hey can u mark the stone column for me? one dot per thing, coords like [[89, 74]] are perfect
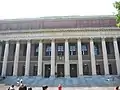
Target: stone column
[[53, 58], [117, 56], [92, 53], [16, 58], [67, 65], [105, 58], [40, 58], [27, 63], [5, 58], [80, 62]]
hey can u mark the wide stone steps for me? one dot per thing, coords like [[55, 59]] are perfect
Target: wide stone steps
[[83, 81]]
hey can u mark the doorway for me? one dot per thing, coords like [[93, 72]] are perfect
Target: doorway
[[85, 69], [98, 70], [110, 69], [60, 70], [35, 70], [73, 70], [47, 70]]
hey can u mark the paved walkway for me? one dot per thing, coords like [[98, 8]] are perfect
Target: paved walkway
[[67, 88]]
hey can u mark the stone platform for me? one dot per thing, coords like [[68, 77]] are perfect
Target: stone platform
[[67, 88], [83, 81]]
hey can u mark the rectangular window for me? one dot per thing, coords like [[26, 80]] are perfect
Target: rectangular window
[[72, 50], [36, 50], [84, 49], [60, 49], [48, 50]]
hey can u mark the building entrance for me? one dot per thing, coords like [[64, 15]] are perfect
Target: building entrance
[[73, 70], [98, 70], [47, 70], [85, 69], [60, 70]]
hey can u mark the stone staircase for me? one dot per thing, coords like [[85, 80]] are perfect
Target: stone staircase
[[83, 81], [67, 88]]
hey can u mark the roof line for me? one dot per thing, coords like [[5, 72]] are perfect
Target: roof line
[[62, 17]]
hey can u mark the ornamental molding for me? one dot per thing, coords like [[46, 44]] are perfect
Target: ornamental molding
[[58, 30], [60, 34]]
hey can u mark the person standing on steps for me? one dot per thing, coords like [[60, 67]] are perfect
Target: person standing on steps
[[44, 87], [21, 81], [11, 88]]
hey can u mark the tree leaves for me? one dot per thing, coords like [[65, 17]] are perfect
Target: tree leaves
[[117, 6]]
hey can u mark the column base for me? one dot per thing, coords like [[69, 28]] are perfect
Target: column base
[[67, 76], [80, 76], [52, 76], [107, 74], [94, 74], [39, 76], [14, 75], [26, 75]]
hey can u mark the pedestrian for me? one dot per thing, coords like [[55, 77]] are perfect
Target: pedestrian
[[45, 87], [18, 82], [25, 87], [11, 88], [29, 88], [21, 82], [21, 87], [117, 88]]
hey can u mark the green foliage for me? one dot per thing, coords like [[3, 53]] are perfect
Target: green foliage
[[117, 7]]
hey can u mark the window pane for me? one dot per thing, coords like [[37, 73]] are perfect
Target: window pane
[[72, 48], [84, 49], [95, 50], [60, 48], [48, 48]]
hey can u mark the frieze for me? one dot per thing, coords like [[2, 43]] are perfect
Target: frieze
[[70, 33]]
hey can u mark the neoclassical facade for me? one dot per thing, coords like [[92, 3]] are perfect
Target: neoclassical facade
[[60, 46]]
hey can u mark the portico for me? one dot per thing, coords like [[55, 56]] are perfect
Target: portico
[[76, 54]]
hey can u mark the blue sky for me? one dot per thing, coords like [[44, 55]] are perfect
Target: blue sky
[[11, 9]]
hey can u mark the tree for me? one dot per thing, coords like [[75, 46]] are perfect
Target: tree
[[117, 7]]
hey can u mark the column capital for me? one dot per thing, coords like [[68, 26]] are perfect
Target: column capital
[[53, 39], [7, 42], [103, 37], [66, 39], [79, 38], [28, 41], [91, 38], [40, 40], [115, 38]]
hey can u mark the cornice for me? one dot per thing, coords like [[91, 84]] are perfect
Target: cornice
[[59, 30]]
